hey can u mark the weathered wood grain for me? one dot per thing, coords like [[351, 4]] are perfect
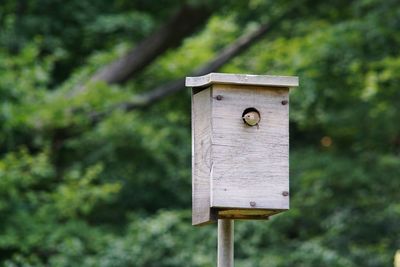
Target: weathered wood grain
[[250, 164], [226, 243], [201, 156], [239, 171], [242, 79]]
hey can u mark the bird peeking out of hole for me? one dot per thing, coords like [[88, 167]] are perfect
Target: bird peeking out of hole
[[252, 118]]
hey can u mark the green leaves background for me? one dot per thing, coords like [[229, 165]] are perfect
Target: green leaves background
[[117, 193]]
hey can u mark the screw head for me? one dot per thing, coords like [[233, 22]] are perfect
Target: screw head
[[252, 203], [284, 102], [219, 97], [285, 193]]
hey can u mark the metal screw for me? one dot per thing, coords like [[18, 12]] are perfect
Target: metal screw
[[284, 102], [285, 193], [252, 203], [219, 97]]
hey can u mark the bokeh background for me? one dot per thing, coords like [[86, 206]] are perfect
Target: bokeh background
[[95, 152]]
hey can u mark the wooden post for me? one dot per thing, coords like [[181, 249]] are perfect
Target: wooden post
[[225, 243]]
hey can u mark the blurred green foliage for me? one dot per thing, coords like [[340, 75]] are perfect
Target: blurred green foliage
[[118, 193]]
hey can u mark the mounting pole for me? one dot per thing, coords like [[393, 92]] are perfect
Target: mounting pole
[[225, 243]]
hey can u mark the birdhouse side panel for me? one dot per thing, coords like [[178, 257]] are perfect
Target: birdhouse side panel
[[201, 160], [250, 163]]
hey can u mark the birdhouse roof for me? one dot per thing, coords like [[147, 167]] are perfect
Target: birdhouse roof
[[242, 79]]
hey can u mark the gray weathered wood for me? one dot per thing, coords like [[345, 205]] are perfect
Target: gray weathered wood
[[240, 171], [250, 164], [242, 79], [225, 243], [201, 156]]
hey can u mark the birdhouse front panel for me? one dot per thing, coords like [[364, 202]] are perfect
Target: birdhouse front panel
[[240, 131], [250, 166]]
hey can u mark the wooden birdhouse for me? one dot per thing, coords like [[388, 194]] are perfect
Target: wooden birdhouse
[[240, 146]]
